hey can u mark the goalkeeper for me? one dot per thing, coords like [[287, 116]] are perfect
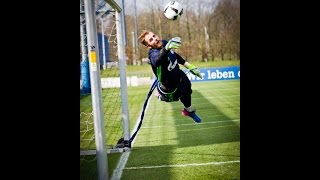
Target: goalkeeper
[[173, 84]]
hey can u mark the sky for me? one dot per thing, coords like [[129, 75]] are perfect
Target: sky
[[141, 5], [147, 4]]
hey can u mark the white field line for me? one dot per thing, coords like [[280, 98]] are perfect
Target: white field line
[[192, 124], [117, 173], [215, 127], [216, 89], [217, 97], [182, 165]]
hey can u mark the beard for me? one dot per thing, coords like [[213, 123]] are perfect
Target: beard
[[158, 45]]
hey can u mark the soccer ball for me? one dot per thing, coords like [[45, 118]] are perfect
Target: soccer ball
[[173, 10]]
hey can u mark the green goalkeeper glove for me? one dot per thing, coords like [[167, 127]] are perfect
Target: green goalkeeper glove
[[173, 43], [193, 69]]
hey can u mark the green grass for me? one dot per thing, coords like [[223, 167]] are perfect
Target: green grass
[[167, 138], [146, 71], [174, 142]]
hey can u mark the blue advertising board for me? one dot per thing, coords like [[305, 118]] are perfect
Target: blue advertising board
[[218, 73], [105, 50]]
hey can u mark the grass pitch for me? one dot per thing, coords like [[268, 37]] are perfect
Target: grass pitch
[[172, 146]]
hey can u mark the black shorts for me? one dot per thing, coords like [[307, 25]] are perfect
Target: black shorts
[[183, 88]]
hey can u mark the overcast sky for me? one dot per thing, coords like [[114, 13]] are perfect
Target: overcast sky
[[141, 4], [148, 4]]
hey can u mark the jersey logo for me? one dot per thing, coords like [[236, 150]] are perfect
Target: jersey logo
[[172, 66]]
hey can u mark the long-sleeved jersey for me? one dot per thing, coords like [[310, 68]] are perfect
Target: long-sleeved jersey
[[165, 66]]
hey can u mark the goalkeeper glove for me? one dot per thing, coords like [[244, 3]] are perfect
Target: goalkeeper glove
[[173, 43], [193, 69]]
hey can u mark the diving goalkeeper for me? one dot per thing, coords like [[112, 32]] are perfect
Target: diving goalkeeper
[[173, 84]]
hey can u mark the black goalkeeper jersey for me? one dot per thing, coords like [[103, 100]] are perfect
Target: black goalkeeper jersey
[[165, 65]]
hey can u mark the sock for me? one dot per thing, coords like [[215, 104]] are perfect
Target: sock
[[189, 109]]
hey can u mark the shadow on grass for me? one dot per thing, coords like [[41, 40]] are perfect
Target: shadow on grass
[[88, 169], [216, 127], [216, 139]]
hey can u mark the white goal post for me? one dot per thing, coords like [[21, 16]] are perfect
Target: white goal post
[[88, 17]]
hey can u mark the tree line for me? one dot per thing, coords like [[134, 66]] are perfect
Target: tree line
[[209, 30]]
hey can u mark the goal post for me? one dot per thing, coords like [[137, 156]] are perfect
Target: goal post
[[94, 117], [114, 5], [123, 80], [96, 92]]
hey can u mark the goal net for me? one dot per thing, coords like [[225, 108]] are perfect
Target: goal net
[[111, 84]]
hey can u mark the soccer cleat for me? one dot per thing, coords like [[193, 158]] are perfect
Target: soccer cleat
[[191, 114]]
